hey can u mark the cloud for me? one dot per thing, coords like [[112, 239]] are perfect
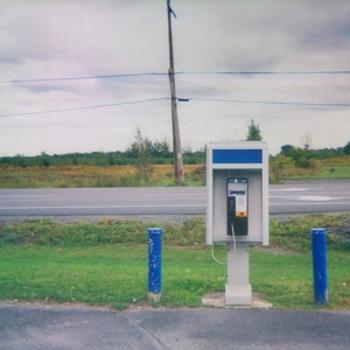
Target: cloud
[[40, 88], [7, 59], [45, 39]]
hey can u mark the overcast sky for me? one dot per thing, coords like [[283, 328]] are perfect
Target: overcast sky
[[48, 39]]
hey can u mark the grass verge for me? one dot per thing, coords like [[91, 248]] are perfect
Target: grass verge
[[95, 176], [159, 175], [334, 168], [98, 264]]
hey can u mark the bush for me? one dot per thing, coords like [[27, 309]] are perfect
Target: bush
[[279, 164], [309, 164], [347, 148]]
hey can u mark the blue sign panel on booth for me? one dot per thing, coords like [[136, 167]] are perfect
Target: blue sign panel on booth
[[237, 156]]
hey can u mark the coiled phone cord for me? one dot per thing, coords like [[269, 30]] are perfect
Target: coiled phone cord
[[215, 258], [234, 242]]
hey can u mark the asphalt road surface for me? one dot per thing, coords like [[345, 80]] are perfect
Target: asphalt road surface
[[296, 198], [28, 327]]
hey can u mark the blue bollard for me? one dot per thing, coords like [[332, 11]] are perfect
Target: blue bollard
[[154, 263], [319, 259]]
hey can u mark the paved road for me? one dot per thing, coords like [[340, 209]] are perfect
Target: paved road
[[307, 197], [28, 327]]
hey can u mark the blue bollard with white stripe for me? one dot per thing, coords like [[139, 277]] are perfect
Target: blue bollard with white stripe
[[154, 263], [319, 258]]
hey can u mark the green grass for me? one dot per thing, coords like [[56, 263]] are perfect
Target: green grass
[[106, 263], [49, 232], [325, 173], [114, 274], [95, 176], [336, 172], [286, 279], [294, 234]]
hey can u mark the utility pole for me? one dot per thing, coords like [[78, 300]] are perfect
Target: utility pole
[[179, 167]]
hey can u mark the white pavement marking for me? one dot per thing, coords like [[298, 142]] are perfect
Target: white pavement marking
[[174, 194], [24, 196], [318, 198], [109, 206], [310, 198], [304, 204]]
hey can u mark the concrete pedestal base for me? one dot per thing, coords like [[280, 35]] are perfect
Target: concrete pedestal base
[[238, 295], [218, 300], [238, 290]]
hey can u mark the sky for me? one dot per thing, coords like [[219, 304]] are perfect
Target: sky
[[46, 39]]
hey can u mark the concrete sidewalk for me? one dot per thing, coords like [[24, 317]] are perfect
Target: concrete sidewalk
[[36, 327]]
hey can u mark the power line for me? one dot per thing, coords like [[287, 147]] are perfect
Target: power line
[[144, 74], [83, 107], [179, 99], [306, 104], [84, 77], [315, 72]]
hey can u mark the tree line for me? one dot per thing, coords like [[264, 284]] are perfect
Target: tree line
[[158, 152], [144, 151]]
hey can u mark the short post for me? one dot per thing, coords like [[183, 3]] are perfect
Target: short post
[[319, 258], [154, 263]]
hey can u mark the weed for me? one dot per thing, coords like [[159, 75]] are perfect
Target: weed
[[94, 176]]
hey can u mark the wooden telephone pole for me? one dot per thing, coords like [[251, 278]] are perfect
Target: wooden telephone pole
[[179, 168]]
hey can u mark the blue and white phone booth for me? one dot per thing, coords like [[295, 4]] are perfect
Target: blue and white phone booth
[[237, 208]]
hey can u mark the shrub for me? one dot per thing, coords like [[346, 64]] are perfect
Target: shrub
[[279, 164], [347, 148]]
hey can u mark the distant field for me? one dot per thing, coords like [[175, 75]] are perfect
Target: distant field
[[337, 167], [329, 168], [94, 176], [158, 175]]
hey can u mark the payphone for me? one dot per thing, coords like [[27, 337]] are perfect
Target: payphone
[[237, 206]]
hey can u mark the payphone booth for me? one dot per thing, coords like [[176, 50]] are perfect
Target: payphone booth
[[237, 209]]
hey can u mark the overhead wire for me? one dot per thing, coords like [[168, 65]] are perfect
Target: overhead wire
[[82, 107], [179, 99], [83, 77], [143, 74], [313, 72], [289, 103]]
